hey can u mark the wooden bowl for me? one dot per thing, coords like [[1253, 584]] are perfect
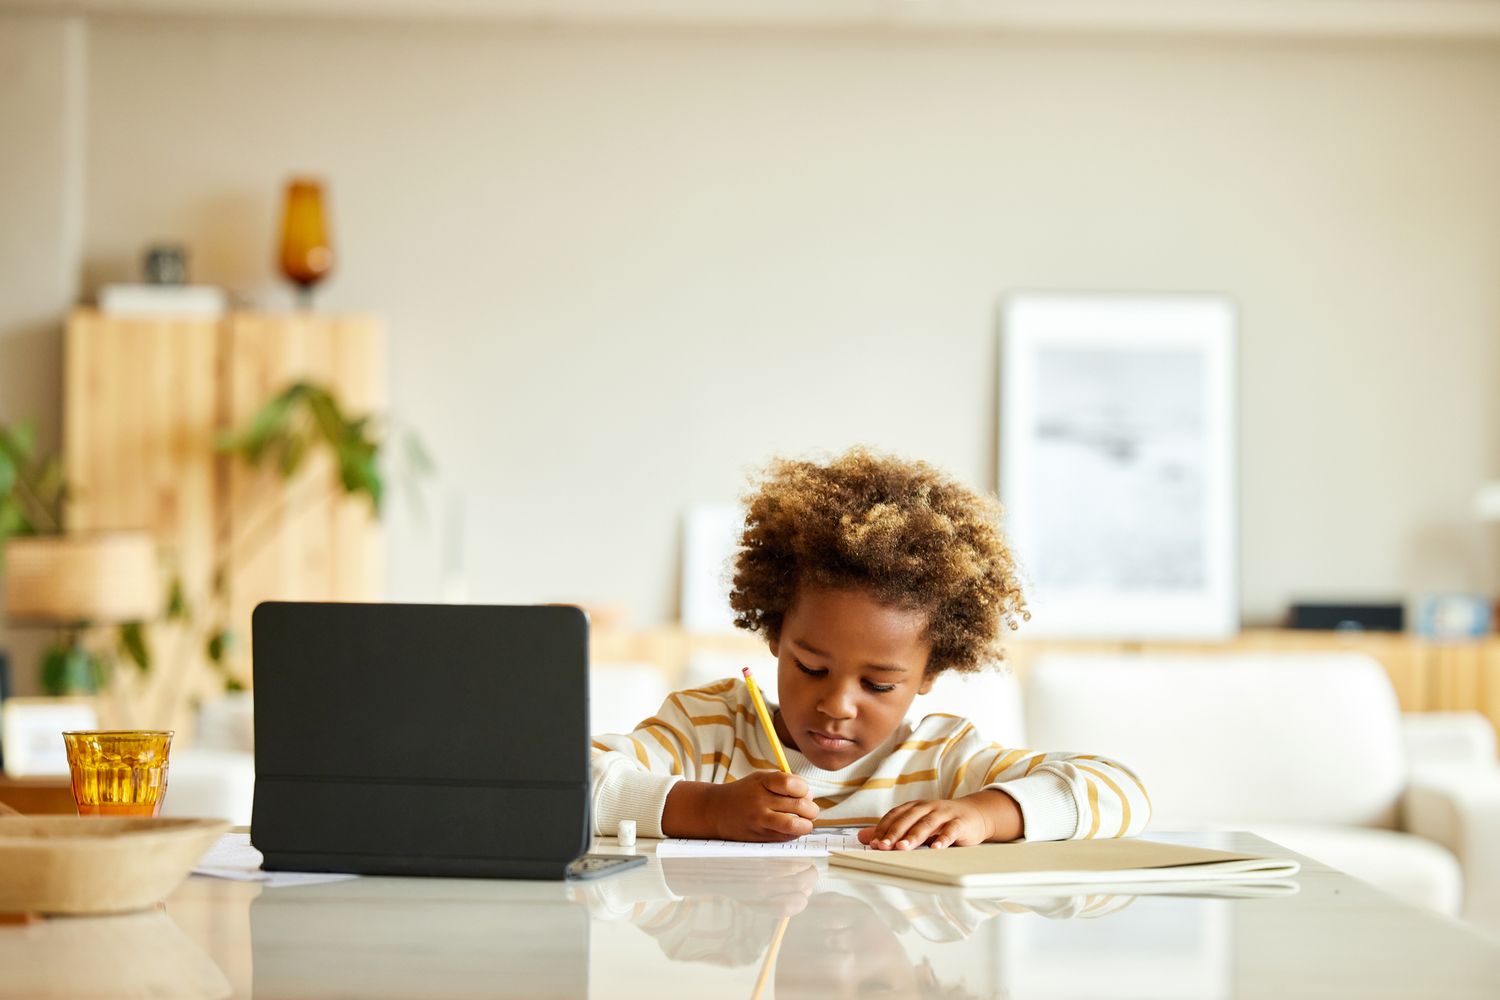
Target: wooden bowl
[[86, 864]]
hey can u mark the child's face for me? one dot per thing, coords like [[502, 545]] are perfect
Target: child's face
[[848, 669]]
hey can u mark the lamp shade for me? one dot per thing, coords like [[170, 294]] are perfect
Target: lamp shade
[[70, 579]]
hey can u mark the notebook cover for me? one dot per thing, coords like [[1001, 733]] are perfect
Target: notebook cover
[[1066, 861]]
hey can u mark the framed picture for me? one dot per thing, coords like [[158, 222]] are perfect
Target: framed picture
[[1117, 463], [32, 729], [710, 538]]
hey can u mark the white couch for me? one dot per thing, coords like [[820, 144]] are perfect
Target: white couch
[[1309, 750], [214, 776]]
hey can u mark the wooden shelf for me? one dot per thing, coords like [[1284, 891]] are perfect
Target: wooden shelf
[[37, 796], [146, 400]]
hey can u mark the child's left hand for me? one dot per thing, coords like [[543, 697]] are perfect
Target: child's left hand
[[988, 814]]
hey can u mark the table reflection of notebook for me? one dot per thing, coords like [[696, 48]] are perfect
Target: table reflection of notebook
[[398, 739]]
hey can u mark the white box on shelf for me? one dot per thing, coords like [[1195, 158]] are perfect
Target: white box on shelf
[[162, 300]]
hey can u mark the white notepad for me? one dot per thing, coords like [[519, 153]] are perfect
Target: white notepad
[[815, 845], [234, 857]]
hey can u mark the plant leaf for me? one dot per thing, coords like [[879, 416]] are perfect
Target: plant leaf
[[293, 450], [177, 606], [269, 423], [417, 455], [133, 645], [23, 438], [325, 411], [220, 643]]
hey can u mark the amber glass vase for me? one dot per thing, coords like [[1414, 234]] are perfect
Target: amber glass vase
[[306, 250]]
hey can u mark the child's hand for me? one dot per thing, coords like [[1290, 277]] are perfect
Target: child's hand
[[988, 814], [764, 806]]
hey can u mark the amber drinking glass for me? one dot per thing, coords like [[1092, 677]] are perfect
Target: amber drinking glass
[[306, 250], [121, 772]]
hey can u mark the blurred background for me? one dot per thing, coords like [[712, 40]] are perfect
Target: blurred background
[[623, 254], [528, 291]]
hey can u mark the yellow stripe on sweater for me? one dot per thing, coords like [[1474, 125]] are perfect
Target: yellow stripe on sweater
[[640, 752], [717, 758], [953, 742], [1002, 764], [1134, 780], [903, 779], [761, 764], [1124, 802], [919, 745], [666, 744], [709, 692]]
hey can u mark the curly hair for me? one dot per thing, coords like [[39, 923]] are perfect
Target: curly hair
[[901, 530]]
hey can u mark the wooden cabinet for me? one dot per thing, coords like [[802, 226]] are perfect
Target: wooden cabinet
[[37, 796], [145, 401]]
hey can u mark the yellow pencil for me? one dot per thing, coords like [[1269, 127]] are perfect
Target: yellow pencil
[[770, 960], [765, 719]]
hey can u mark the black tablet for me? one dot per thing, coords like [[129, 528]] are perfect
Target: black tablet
[[406, 739]]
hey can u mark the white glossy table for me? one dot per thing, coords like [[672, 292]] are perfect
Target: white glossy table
[[702, 927]]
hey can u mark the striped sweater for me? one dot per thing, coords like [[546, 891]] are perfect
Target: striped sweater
[[712, 734]]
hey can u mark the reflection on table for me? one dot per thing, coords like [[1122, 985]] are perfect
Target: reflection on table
[[723, 927], [846, 933]]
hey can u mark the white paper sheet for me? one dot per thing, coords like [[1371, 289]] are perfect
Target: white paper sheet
[[233, 857], [815, 845]]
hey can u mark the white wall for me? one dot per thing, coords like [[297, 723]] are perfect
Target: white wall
[[41, 169], [620, 268]]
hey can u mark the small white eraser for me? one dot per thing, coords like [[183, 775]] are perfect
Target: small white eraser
[[626, 833]]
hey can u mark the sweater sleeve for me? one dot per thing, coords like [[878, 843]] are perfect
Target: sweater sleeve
[[633, 772], [1062, 796]]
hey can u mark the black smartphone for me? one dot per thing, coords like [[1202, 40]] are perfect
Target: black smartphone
[[597, 865]]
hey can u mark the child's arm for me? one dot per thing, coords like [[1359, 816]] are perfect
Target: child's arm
[[995, 794], [764, 806], [986, 815], [649, 775], [634, 772]]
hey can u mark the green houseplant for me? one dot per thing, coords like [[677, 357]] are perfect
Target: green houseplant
[[302, 420]]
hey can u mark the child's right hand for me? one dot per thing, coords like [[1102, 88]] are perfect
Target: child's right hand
[[764, 806]]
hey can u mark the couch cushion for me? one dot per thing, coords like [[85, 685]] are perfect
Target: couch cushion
[[1276, 738], [991, 699], [1412, 869], [211, 784]]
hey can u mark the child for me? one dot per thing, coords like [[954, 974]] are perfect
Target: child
[[868, 577]]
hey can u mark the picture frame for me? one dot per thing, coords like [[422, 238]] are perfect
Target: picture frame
[[31, 730], [1117, 463], [710, 539]]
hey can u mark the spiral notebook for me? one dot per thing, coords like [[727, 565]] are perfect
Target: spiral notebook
[[1091, 862]]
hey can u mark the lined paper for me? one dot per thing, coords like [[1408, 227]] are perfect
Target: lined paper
[[815, 845]]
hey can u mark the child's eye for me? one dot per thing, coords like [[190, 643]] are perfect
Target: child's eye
[[809, 671], [879, 688]]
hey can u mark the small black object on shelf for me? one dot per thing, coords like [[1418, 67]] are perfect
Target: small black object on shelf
[[1348, 617]]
